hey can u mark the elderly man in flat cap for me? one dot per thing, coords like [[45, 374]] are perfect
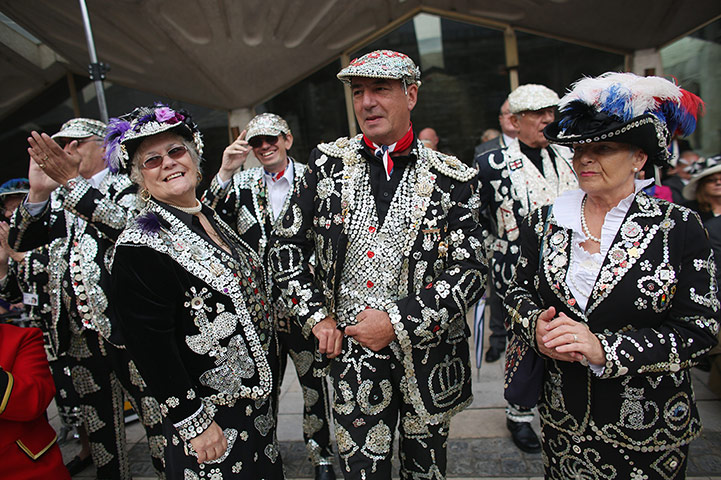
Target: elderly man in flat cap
[[524, 175], [252, 201], [77, 207], [399, 260]]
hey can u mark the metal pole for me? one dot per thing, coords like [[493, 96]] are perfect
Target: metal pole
[[97, 70]]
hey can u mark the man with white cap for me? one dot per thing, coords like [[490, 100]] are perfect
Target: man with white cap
[[77, 207], [251, 201], [399, 260], [526, 174]]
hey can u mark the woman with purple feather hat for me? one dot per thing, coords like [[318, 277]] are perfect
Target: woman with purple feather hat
[[615, 290], [189, 298]]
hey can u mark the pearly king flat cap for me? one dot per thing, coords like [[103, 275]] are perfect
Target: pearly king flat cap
[[382, 64], [81, 128], [266, 124], [531, 97]]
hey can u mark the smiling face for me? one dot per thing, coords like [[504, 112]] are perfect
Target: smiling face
[[175, 179], [382, 108], [273, 156], [606, 169]]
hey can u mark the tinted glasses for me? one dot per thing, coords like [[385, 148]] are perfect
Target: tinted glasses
[[257, 141], [175, 153]]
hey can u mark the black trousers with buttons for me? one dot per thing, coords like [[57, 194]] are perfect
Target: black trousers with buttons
[[369, 403]]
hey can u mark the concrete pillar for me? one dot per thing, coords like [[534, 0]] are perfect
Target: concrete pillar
[[237, 120], [349, 112], [511, 48], [647, 62]]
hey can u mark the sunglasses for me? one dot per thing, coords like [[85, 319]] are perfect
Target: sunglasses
[[174, 153], [257, 142]]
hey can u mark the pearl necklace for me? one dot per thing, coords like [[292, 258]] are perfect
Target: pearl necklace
[[189, 210], [584, 225]]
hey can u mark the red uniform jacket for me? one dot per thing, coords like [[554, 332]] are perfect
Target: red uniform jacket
[[27, 441]]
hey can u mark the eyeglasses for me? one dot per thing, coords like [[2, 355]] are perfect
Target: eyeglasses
[[62, 142], [156, 160], [257, 142]]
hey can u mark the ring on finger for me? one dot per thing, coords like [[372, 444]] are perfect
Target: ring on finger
[[46, 158], [41, 165], [575, 338]]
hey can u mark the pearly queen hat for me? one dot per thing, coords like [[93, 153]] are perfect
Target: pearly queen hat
[[531, 97], [712, 165], [266, 124], [81, 128], [126, 133], [625, 108], [382, 64]]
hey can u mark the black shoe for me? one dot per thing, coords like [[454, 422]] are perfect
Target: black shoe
[[523, 436], [324, 472], [77, 464], [493, 354]]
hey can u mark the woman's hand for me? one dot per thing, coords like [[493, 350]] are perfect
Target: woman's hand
[[211, 444], [542, 328], [234, 157], [570, 340]]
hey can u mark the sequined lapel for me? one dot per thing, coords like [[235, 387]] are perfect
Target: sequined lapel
[[260, 201], [638, 229], [556, 261], [298, 170], [214, 267]]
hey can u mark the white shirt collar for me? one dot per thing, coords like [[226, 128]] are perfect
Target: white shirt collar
[[287, 175], [567, 206], [506, 139], [98, 178]]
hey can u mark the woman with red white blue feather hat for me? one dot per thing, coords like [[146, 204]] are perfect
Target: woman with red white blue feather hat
[[616, 290]]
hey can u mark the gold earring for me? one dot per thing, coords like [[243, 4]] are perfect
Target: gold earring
[[144, 194]]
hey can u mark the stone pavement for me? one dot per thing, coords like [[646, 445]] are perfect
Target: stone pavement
[[479, 446]]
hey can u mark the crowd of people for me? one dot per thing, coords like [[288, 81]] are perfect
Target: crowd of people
[[361, 265]]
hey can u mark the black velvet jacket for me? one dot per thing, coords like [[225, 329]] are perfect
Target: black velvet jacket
[[195, 319], [654, 309]]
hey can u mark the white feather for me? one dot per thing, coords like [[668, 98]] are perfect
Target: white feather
[[643, 92]]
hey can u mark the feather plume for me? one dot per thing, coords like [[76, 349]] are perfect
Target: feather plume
[[624, 96], [149, 222], [114, 135]]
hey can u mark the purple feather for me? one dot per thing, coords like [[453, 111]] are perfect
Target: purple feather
[[113, 136], [149, 223]]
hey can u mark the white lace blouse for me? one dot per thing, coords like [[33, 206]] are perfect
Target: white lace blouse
[[584, 266]]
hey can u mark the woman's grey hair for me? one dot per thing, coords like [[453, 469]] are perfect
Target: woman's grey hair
[[135, 171]]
